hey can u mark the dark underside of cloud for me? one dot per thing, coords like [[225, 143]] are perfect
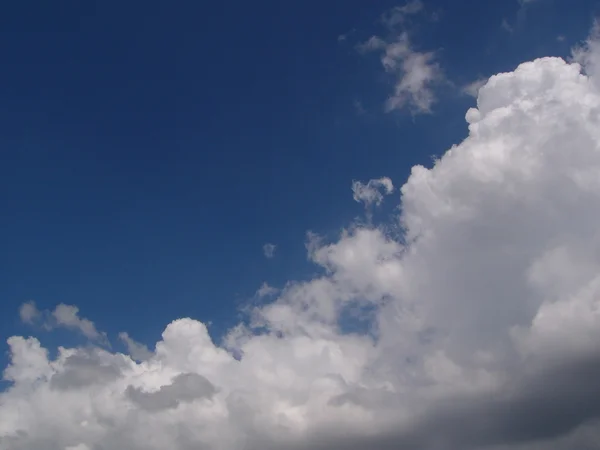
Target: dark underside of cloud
[[534, 408]]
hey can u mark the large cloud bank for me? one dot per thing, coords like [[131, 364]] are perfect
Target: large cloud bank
[[485, 316]]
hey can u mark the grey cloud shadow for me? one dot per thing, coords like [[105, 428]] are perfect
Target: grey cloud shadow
[[540, 405], [184, 388], [84, 369]]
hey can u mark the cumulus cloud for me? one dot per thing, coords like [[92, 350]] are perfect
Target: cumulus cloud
[[269, 250], [484, 333], [415, 72]]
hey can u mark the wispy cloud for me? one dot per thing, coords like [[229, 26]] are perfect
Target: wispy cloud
[[415, 72], [472, 89], [63, 316], [344, 36], [372, 192], [136, 350], [67, 316], [269, 250], [359, 107], [399, 14], [29, 313], [266, 290]]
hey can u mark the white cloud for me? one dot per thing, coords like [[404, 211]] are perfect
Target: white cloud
[[373, 191], [269, 250], [67, 316], [29, 312], [472, 89], [588, 54], [415, 73], [486, 317], [63, 316], [265, 290]]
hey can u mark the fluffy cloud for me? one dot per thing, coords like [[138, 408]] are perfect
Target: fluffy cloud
[[484, 331]]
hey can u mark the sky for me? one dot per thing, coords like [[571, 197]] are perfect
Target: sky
[[293, 225]]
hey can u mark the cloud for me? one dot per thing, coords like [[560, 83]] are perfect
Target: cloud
[[484, 333], [63, 316], [185, 387], [371, 192], [472, 89], [265, 290], [399, 14], [269, 250], [588, 53], [29, 313], [415, 72], [359, 107], [344, 36], [84, 368], [507, 26], [138, 351], [67, 316]]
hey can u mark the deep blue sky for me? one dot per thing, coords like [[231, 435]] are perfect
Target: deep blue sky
[[149, 149]]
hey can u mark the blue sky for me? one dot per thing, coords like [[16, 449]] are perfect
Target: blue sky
[[151, 149]]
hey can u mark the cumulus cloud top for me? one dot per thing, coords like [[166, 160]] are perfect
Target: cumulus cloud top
[[484, 335]]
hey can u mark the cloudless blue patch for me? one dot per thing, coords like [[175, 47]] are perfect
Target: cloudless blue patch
[[358, 318]]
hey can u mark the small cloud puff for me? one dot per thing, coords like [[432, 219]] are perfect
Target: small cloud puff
[[373, 191]]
